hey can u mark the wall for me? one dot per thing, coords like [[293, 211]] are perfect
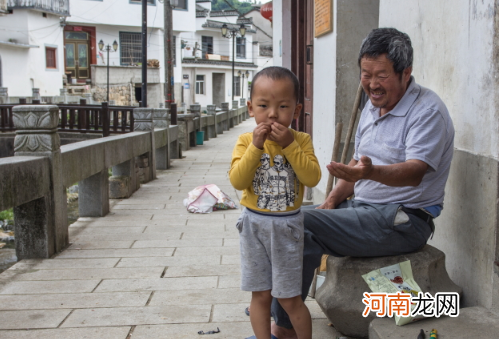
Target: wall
[[455, 55], [20, 65], [281, 19], [335, 87]]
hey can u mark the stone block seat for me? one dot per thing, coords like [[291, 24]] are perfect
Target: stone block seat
[[472, 322], [340, 296]]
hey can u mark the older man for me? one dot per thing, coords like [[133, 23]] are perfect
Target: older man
[[403, 151]]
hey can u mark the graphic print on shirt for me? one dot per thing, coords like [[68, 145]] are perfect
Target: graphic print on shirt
[[275, 186]]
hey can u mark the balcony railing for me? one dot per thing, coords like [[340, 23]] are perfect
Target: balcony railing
[[59, 7]]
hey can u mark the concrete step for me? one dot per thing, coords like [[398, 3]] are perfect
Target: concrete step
[[472, 322]]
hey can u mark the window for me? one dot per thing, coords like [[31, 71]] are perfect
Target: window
[[207, 45], [174, 48], [237, 86], [182, 5], [130, 48], [199, 84], [50, 57], [241, 48], [149, 2]]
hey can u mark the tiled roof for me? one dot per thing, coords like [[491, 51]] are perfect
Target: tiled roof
[[217, 62]]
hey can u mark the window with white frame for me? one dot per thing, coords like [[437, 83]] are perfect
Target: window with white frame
[[199, 84], [50, 57], [130, 48], [174, 48], [241, 48], [207, 45], [182, 5], [149, 2], [237, 86]]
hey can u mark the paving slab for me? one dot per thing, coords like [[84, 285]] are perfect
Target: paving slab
[[126, 236], [201, 297], [69, 333], [169, 261], [138, 316], [229, 281], [117, 253], [82, 245], [91, 273], [202, 270], [200, 251], [32, 319], [157, 284], [54, 287], [47, 264], [231, 259], [177, 243], [70, 301]]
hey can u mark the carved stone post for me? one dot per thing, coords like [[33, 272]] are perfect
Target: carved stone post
[[242, 102], [36, 93], [93, 195], [196, 110], [235, 104], [41, 224], [225, 108], [4, 95], [212, 109], [160, 122], [143, 123]]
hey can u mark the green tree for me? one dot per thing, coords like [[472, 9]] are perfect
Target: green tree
[[241, 6]]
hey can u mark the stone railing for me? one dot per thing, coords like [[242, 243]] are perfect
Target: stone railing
[[34, 181], [213, 123]]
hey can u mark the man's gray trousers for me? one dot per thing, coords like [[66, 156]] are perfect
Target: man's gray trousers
[[355, 229]]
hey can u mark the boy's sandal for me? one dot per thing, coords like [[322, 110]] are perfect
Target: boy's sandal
[[271, 337], [246, 310]]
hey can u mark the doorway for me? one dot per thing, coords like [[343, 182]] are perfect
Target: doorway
[[218, 88]]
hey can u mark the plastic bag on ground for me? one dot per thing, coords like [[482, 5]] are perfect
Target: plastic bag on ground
[[208, 198]]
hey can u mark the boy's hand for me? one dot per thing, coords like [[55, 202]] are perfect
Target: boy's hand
[[260, 134], [281, 134]]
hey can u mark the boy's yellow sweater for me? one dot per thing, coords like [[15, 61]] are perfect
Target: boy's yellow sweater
[[273, 179]]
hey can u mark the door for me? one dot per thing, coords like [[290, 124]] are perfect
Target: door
[[77, 54], [308, 80], [218, 88]]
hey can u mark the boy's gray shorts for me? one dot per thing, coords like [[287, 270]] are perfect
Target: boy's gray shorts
[[271, 252]]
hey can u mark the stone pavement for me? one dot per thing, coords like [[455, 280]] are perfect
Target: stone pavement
[[149, 269]]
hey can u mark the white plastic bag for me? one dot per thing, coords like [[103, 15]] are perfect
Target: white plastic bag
[[207, 198]]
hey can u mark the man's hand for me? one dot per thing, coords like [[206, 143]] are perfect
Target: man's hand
[[281, 135], [260, 134], [362, 170], [326, 205]]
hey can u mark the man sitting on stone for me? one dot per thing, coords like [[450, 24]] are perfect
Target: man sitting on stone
[[403, 150]]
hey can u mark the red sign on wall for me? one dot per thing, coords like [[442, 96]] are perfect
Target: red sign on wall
[[77, 28]]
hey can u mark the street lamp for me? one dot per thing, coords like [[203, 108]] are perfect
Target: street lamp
[[232, 32], [108, 49]]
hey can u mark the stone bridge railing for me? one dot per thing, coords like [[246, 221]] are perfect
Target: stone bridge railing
[[34, 181]]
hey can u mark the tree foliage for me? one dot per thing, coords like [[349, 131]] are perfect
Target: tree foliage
[[241, 6]]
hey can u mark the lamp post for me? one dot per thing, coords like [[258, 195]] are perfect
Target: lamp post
[[241, 78], [108, 49], [247, 77], [229, 33]]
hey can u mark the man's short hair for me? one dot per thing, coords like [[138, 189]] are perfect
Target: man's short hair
[[395, 44], [277, 73]]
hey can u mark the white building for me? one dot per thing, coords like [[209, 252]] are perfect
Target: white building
[[207, 58], [121, 21], [32, 47]]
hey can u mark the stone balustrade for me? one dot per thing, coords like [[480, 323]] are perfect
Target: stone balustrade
[[34, 181]]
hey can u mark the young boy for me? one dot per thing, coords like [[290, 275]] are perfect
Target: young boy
[[271, 165]]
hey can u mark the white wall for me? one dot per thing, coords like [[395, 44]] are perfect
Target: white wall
[[282, 32], [324, 99], [207, 71], [20, 65], [454, 57]]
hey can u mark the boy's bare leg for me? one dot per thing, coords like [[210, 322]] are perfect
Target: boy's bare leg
[[299, 316], [282, 332], [260, 314]]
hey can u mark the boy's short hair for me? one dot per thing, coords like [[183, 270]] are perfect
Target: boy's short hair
[[277, 73]]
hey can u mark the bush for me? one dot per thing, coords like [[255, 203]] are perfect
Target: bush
[[7, 215]]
